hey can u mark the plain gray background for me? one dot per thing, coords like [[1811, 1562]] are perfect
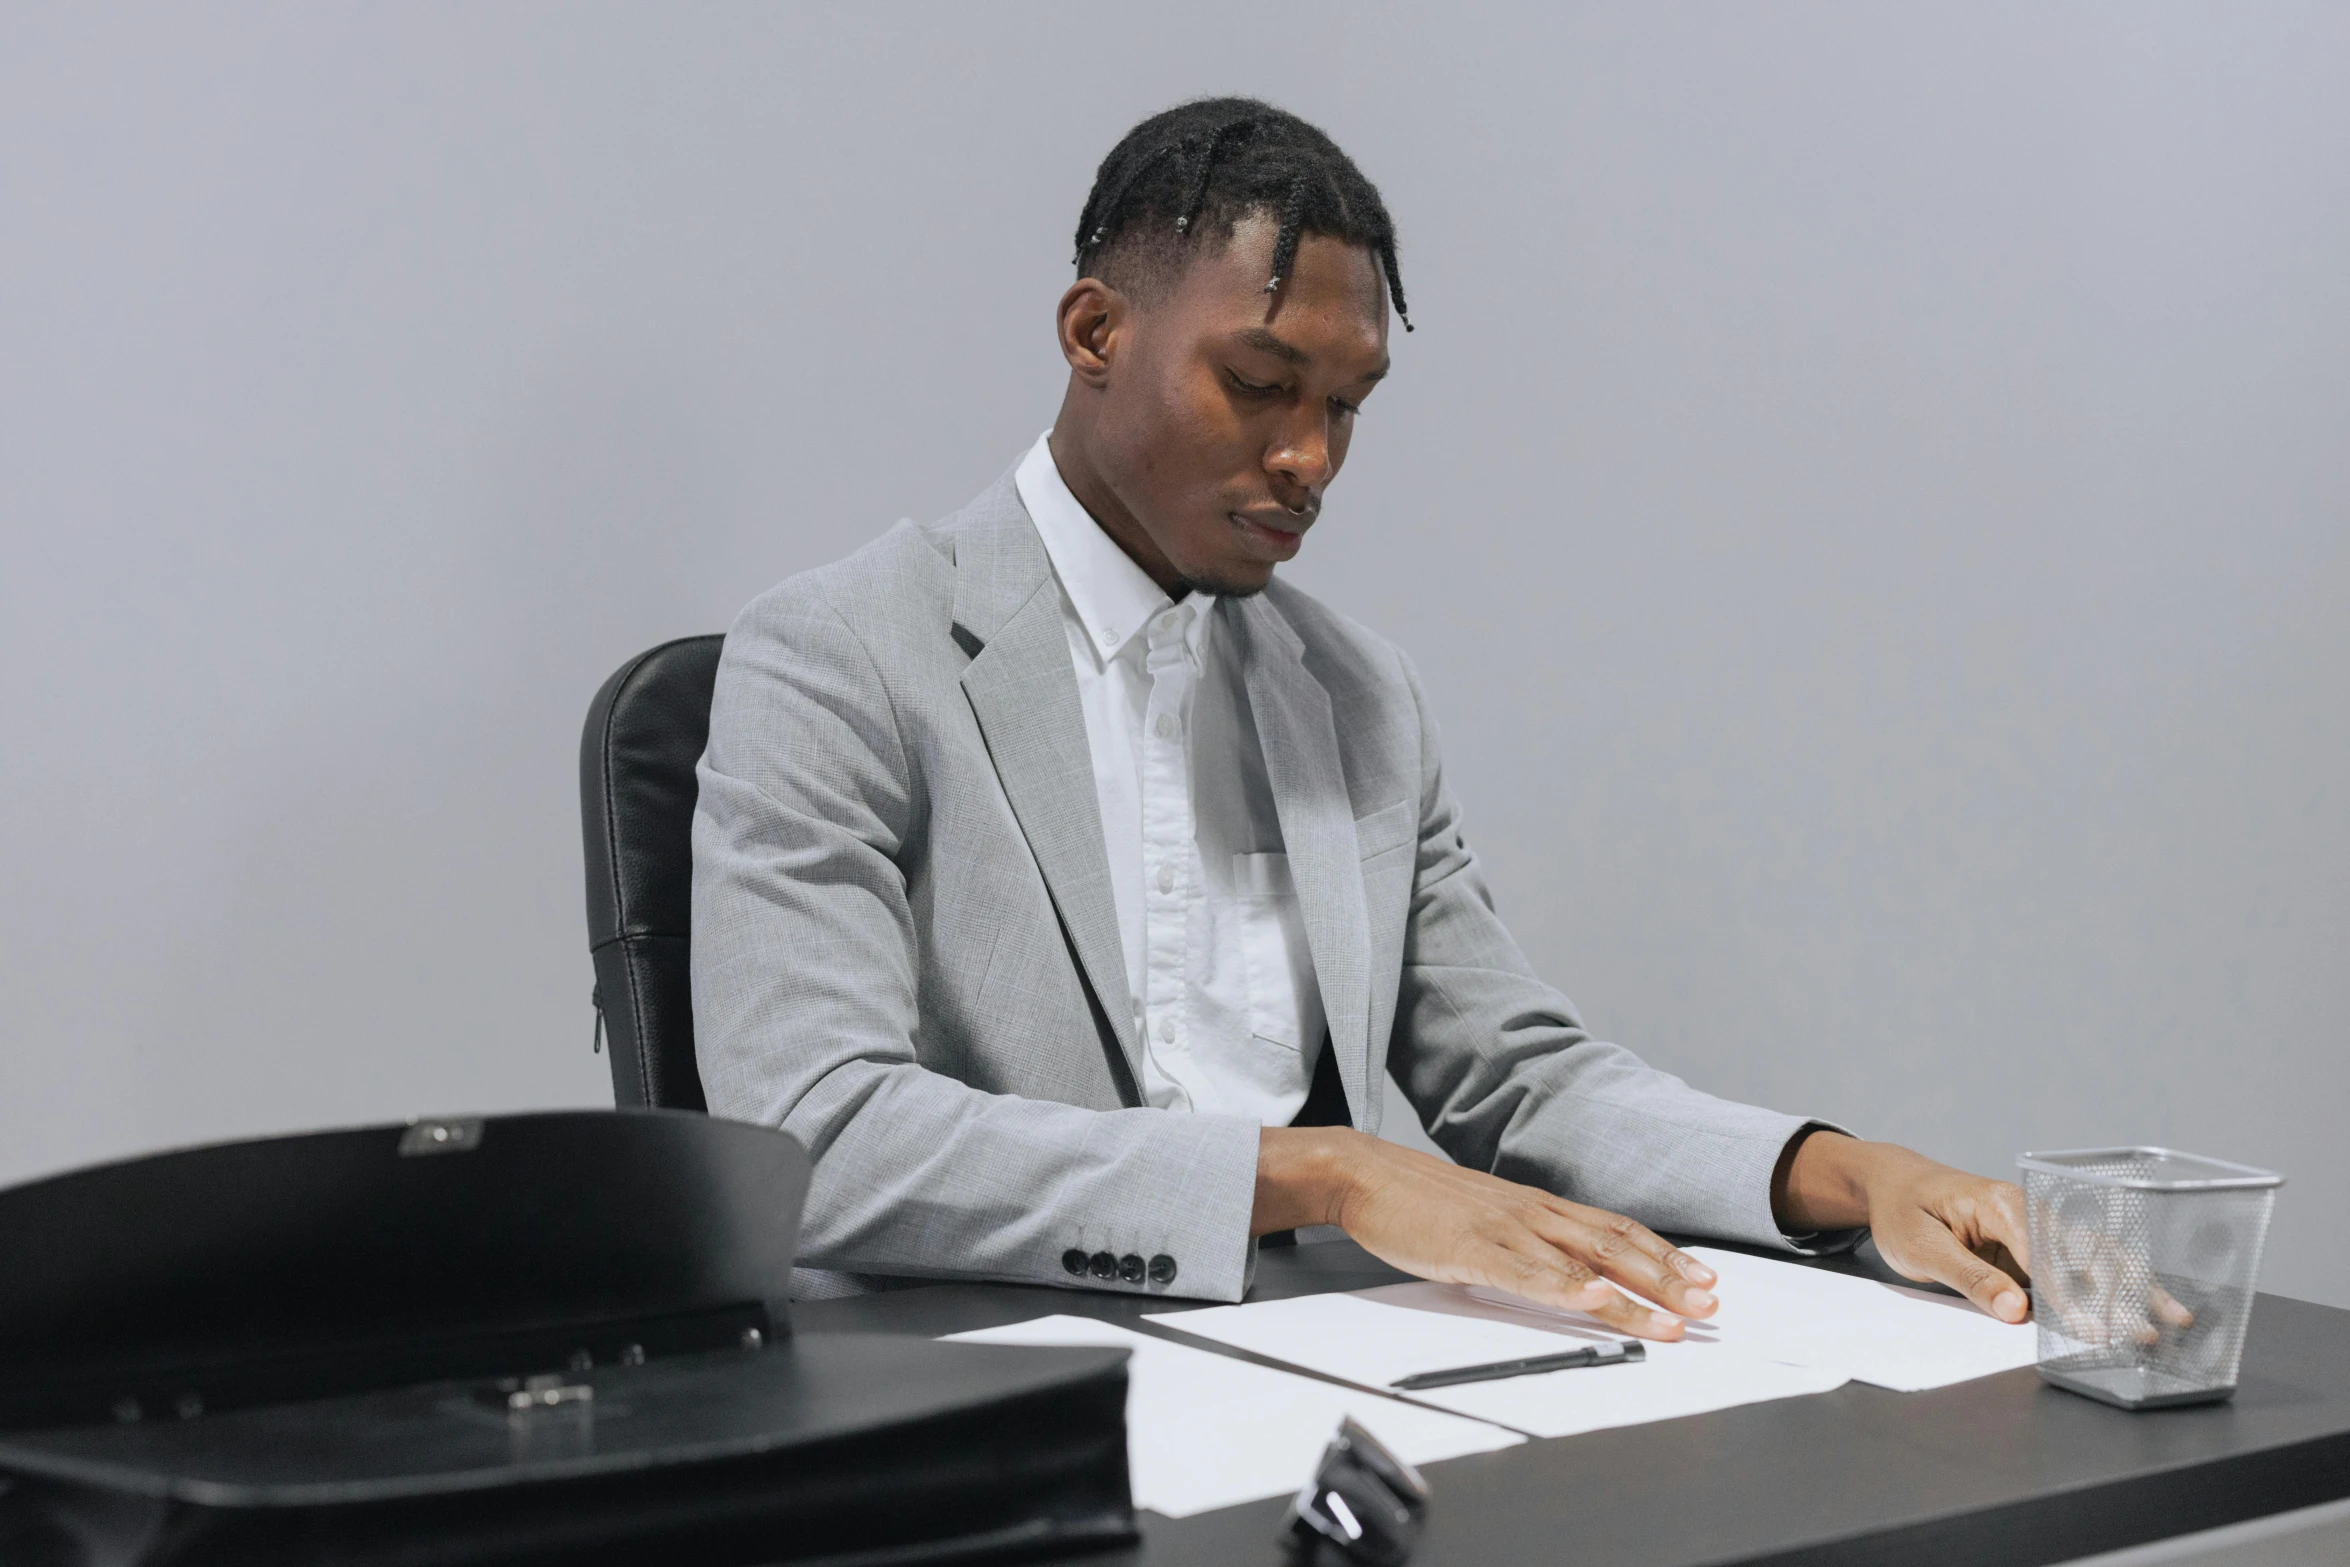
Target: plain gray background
[[1870, 494]]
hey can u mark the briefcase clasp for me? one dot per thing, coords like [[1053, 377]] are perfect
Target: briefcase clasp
[[528, 1395]]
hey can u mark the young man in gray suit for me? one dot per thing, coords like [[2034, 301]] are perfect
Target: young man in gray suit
[[1066, 882]]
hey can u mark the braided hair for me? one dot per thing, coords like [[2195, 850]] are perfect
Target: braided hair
[[1201, 167]]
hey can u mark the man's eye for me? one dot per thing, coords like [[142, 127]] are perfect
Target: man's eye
[[1239, 384], [1345, 407]]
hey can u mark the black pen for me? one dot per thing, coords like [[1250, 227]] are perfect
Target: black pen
[[1589, 1355]]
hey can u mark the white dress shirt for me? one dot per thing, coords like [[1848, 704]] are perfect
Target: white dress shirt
[[1216, 958]]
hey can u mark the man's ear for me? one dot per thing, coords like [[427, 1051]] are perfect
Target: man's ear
[[1092, 318]]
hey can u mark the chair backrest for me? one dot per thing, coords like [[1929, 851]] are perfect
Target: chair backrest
[[645, 731]]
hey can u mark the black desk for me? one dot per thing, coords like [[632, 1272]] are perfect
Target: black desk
[[2000, 1470]]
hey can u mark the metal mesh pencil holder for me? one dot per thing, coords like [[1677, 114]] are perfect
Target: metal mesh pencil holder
[[2143, 1266]]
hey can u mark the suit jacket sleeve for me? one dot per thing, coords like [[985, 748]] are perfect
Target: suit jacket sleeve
[[1505, 1078], [806, 1008]]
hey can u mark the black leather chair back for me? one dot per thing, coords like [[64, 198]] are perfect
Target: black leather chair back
[[645, 731]]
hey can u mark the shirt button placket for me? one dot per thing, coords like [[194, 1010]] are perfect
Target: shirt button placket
[[1167, 815]]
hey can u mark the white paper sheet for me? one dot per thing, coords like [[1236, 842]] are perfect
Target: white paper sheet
[[1205, 1430], [1380, 1335], [1902, 1339]]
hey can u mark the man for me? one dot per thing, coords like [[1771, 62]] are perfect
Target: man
[[1066, 882]]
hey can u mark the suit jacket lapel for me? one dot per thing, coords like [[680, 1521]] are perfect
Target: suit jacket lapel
[[1317, 832], [1024, 694]]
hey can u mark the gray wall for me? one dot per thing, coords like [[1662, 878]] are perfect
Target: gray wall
[[1870, 495]]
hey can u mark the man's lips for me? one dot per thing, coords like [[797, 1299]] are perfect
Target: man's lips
[[1279, 533]]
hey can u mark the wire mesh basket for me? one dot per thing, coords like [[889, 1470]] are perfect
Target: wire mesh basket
[[2143, 1266]]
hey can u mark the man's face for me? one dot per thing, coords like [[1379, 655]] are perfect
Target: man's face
[[1226, 410]]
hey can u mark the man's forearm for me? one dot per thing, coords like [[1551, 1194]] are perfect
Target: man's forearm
[[1822, 1183], [1302, 1172]]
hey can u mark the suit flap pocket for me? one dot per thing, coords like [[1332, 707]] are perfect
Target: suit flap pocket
[[1389, 827]]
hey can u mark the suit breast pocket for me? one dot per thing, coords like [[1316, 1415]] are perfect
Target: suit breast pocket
[[1284, 1003]]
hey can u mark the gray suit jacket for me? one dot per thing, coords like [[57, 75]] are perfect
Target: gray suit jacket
[[906, 953]]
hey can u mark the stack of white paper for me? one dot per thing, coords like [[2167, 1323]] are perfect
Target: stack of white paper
[[1380, 1336], [1902, 1339], [1898, 1338], [1205, 1430]]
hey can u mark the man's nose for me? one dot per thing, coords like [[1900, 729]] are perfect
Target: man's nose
[[1302, 456]]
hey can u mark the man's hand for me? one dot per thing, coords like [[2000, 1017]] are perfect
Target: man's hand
[[1929, 1220], [1458, 1226]]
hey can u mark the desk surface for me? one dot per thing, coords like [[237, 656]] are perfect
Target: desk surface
[[2002, 1469]]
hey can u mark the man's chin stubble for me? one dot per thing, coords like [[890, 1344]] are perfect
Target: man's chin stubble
[[1226, 590]]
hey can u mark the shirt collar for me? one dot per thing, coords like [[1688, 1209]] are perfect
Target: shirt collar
[[1115, 599]]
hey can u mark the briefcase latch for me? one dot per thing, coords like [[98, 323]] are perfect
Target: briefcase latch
[[526, 1395], [426, 1137]]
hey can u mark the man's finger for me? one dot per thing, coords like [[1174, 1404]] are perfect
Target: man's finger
[[1626, 1315], [1936, 1253], [1540, 1272], [2001, 1216], [1629, 1254], [1549, 1281], [1642, 1239]]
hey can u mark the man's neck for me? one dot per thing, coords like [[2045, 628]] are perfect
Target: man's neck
[[1101, 503]]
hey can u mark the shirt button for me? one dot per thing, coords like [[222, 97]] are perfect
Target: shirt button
[[1162, 1269], [1167, 726], [1166, 1031], [1130, 1269], [1074, 1259], [1103, 1265], [1166, 878]]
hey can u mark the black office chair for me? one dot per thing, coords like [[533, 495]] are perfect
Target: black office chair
[[645, 730]]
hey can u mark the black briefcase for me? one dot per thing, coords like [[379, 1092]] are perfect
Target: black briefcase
[[525, 1339]]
